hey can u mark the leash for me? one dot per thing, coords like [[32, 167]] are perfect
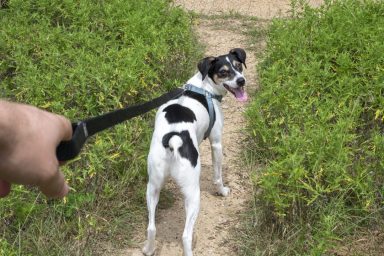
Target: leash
[[68, 150]]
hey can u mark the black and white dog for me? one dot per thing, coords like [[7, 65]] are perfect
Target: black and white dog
[[181, 125]]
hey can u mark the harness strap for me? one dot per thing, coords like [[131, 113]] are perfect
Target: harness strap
[[208, 97]]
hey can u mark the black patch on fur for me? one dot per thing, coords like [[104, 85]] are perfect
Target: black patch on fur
[[176, 113], [197, 96], [205, 65], [200, 98], [187, 149], [167, 137], [240, 55]]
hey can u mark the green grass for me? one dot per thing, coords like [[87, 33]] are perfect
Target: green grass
[[316, 128], [79, 59]]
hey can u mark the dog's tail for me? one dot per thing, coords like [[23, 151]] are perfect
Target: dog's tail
[[173, 141]]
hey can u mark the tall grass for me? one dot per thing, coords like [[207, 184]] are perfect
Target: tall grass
[[79, 59], [317, 128]]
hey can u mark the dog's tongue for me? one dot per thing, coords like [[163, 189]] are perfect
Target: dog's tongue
[[241, 94]]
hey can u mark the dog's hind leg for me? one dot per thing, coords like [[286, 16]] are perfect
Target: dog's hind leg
[[192, 207], [155, 183]]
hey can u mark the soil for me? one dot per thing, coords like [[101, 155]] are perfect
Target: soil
[[218, 215]]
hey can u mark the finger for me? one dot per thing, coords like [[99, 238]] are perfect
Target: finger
[[5, 188], [65, 128], [55, 186]]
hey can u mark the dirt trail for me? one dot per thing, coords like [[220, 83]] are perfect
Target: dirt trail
[[218, 215]]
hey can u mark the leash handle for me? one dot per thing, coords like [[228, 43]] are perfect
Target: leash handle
[[68, 150]]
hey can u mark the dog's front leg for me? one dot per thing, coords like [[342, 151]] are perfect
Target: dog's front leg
[[217, 159]]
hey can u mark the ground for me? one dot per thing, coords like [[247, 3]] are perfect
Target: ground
[[218, 32]]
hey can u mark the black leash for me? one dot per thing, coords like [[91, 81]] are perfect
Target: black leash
[[82, 130]]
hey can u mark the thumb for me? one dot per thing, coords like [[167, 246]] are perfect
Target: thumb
[[55, 186], [65, 128]]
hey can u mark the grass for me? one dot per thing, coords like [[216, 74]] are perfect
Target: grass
[[316, 126], [80, 59]]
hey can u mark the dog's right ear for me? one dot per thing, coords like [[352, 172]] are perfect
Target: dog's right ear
[[205, 64]]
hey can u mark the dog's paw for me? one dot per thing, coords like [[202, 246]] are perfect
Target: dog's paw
[[224, 191], [149, 249]]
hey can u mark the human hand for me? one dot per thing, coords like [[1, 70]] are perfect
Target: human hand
[[28, 140]]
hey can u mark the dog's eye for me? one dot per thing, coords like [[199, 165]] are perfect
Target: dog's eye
[[223, 73], [239, 67]]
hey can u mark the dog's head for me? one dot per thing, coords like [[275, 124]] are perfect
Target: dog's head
[[226, 71]]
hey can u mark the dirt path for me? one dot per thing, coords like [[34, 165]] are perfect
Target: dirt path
[[218, 215]]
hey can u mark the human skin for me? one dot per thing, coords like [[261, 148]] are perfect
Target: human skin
[[28, 140]]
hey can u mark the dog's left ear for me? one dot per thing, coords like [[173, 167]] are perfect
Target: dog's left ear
[[239, 54], [205, 64]]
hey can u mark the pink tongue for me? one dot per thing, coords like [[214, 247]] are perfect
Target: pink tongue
[[240, 94]]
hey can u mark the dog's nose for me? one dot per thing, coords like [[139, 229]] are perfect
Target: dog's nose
[[240, 81]]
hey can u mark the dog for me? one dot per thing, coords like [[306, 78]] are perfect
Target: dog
[[181, 124]]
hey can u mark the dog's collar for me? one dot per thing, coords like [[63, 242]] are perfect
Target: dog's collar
[[208, 97], [207, 94]]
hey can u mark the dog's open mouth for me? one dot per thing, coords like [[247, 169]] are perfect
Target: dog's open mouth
[[239, 93]]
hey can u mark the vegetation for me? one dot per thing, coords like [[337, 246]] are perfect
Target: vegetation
[[317, 129], [80, 59]]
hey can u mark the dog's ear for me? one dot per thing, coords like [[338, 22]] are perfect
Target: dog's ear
[[239, 54], [205, 64]]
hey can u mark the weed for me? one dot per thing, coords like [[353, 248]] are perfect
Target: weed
[[317, 125], [80, 59]]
